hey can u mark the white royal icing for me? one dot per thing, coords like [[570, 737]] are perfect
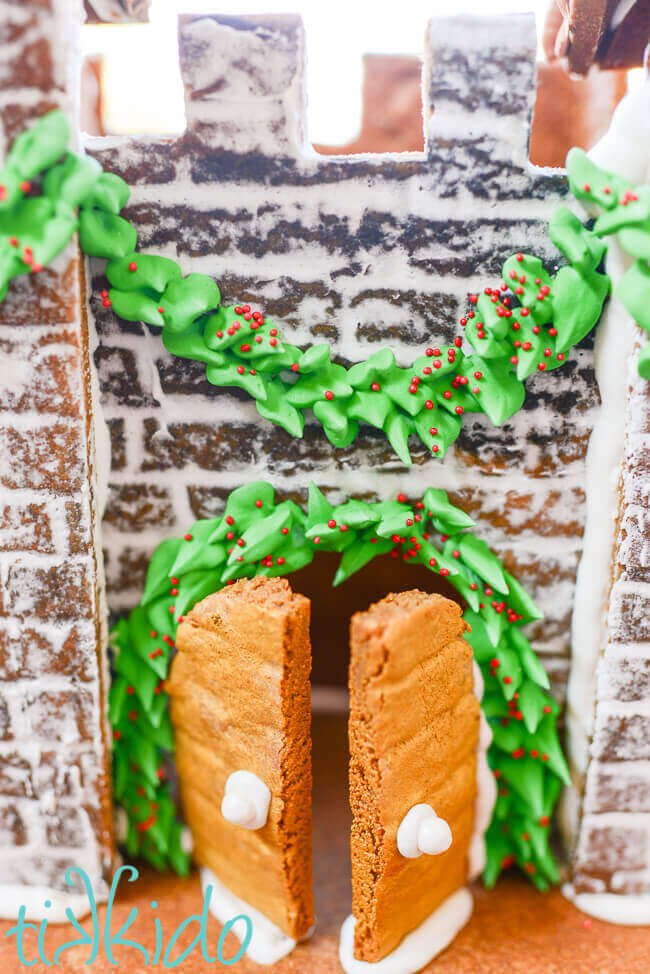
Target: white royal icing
[[627, 910], [624, 149], [246, 800], [419, 946], [486, 788], [421, 831], [268, 943]]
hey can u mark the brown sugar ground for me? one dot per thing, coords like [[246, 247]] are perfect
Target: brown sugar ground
[[414, 723], [239, 690]]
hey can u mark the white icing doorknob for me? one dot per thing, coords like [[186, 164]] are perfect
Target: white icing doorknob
[[422, 831], [246, 800]]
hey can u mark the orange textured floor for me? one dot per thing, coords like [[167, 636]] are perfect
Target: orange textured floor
[[514, 929]]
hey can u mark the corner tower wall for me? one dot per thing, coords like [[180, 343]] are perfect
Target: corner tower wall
[[55, 805]]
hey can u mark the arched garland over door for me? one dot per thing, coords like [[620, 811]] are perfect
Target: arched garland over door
[[258, 536]]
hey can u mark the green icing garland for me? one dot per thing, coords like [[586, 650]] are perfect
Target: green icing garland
[[257, 536], [627, 213], [527, 324]]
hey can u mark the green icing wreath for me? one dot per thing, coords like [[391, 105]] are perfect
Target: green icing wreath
[[527, 324], [257, 536]]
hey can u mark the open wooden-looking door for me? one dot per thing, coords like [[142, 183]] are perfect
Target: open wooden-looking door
[[414, 725], [239, 690]]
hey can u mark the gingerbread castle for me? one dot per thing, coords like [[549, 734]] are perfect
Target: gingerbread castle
[[348, 251]]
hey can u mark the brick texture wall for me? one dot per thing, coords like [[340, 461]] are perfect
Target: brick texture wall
[[613, 851], [359, 252], [54, 787]]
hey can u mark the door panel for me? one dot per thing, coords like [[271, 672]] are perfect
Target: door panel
[[414, 723], [239, 689]]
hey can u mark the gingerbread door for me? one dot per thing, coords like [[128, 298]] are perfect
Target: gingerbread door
[[414, 726], [239, 690]]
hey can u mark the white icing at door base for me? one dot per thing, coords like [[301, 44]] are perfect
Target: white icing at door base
[[14, 895], [627, 909], [268, 942], [419, 946]]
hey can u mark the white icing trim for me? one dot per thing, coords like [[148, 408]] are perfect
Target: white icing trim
[[419, 946], [15, 895], [625, 149], [268, 943], [624, 909], [486, 787]]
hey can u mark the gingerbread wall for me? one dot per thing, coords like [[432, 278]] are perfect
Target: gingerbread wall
[[613, 852], [54, 789], [359, 252]]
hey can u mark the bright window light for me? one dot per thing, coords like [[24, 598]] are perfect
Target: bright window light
[[142, 83]]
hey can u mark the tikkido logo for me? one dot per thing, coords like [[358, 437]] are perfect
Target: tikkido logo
[[102, 937]]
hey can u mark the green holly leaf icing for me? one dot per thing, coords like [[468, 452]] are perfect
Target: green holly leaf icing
[[492, 313], [526, 777], [436, 363], [276, 408], [634, 291], [319, 507], [72, 180], [520, 600], [39, 147], [633, 210], [636, 240], [479, 558], [580, 246], [109, 192], [136, 272], [356, 557], [532, 701], [363, 374], [577, 303], [189, 344], [485, 344], [261, 537], [231, 374], [437, 429], [370, 407], [326, 384], [185, 298], [398, 428], [337, 425], [135, 306], [500, 392], [588, 182], [159, 571], [446, 517], [314, 358], [104, 234]]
